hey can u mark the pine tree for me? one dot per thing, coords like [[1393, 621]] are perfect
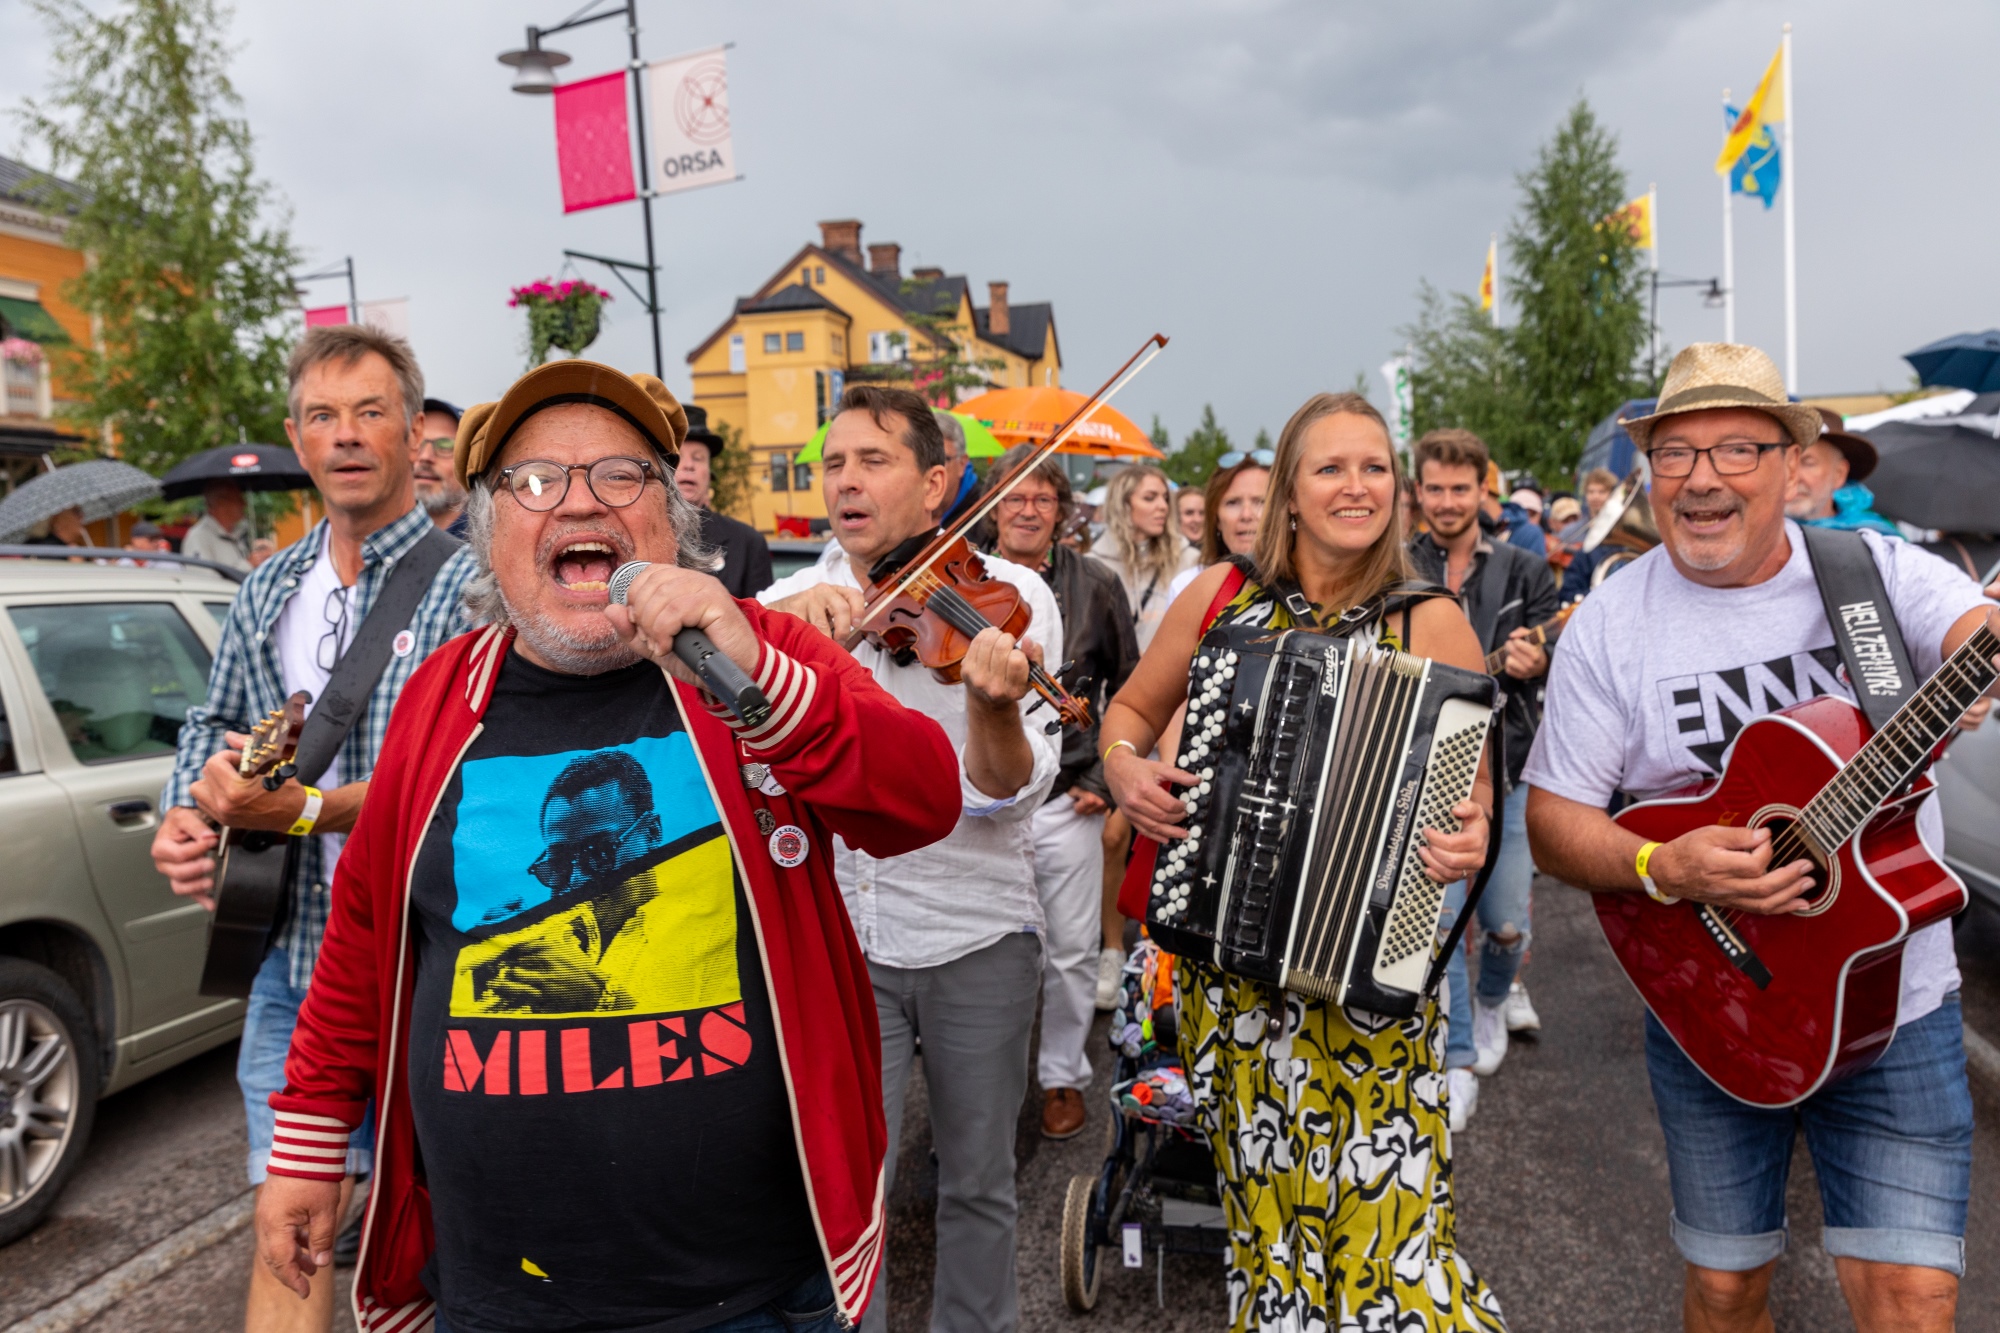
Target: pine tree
[[189, 283], [1190, 464]]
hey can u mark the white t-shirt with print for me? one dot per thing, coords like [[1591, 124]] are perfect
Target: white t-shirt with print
[[301, 627], [1656, 675]]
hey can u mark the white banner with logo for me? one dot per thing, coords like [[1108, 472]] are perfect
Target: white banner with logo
[[689, 123], [1396, 370]]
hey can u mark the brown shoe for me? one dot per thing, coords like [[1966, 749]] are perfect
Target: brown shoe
[[1062, 1113]]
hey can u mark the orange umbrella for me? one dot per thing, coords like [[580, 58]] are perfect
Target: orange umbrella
[[1028, 416]]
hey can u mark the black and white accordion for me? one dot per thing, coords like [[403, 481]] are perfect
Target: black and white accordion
[[1321, 759]]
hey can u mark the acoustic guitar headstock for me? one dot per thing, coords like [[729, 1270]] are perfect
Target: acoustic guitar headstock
[[275, 737]]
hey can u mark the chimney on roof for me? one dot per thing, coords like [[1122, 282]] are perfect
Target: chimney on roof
[[927, 274], [842, 237], [998, 321], [885, 260]]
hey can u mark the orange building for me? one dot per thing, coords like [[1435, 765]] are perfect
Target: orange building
[[34, 317], [775, 368]]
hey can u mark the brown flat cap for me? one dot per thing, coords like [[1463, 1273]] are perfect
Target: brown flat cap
[[640, 400], [1860, 454], [1709, 375]]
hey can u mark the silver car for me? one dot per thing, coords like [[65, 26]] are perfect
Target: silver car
[[1968, 779], [99, 960]]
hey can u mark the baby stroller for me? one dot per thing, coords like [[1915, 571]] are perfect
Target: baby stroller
[[1156, 1192]]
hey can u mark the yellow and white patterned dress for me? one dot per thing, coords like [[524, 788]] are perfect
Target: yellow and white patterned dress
[[1331, 1144]]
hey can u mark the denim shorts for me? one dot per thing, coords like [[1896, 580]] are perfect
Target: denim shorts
[[268, 1021], [806, 1308], [1892, 1147]]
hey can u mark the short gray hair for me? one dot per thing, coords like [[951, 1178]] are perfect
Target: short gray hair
[[348, 343], [482, 591]]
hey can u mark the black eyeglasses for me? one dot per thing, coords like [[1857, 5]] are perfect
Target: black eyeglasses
[[1261, 457], [327, 653], [580, 860], [541, 485], [1674, 461]]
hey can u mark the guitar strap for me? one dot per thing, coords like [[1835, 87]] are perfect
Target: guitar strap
[[1864, 624], [354, 676]]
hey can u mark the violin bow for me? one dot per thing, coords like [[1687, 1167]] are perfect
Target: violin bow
[[916, 569]]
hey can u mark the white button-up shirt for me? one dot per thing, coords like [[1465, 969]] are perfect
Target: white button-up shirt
[[954, 897]]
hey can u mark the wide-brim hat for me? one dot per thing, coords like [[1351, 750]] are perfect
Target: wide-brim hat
[[640, 400], [1712, 375], [1859, 453], [698, 431]]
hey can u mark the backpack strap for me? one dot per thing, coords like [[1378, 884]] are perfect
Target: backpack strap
[[1864, 623]]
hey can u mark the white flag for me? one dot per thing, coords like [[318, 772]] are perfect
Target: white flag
[[1396, 370], [391, 317], [689, 96]]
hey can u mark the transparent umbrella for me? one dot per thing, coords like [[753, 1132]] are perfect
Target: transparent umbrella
[[100, 488]]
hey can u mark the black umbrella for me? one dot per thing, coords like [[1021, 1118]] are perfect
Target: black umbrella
[[254, 467], [1941, 472]]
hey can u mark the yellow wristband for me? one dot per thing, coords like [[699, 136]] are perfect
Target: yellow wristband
[[309, 816], [1643, 861], [1645, 857], [1114, 745]]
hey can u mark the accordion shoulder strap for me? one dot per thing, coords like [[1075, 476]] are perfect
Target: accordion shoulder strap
[[1232, 583]]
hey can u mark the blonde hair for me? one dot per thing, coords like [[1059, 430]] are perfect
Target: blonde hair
[[1383, 564], [1146, 559]]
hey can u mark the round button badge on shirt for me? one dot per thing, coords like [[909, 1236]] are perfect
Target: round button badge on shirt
[[405, 643], [788, 845]]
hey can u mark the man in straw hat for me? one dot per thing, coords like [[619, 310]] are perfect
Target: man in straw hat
[[587, 954], [1656, 674]]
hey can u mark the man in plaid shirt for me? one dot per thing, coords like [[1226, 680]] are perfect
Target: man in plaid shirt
[[356, 400]]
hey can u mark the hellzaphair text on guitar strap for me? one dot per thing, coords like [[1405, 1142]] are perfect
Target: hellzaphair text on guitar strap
[[340, 705], [1864, 624]]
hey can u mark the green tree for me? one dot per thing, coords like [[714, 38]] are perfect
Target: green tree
[[189, 283], [1534, 390], [936, 363], [1158, 435], [729, 473], [1190, 464]]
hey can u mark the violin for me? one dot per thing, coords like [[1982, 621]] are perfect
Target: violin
[[933, 602]]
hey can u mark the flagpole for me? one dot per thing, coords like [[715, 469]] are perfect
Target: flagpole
[[1791, 189], [1728, 252], [1493, 263], [1653, 235]]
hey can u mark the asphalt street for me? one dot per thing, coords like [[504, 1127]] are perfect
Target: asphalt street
[[1561, 1183]]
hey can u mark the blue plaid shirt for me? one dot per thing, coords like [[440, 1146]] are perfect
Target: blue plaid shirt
[[246, 684]]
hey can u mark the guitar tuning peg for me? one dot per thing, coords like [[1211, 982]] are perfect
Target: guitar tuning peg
[[1052, 728]]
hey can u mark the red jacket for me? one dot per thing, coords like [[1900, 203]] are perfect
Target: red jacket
[[851, 760]]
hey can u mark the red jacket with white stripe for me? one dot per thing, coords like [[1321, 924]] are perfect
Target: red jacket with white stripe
[[851, 761]]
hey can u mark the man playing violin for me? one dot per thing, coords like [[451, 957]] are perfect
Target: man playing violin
[[952, 933]]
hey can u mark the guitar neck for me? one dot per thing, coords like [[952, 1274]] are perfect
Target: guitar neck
[[1899, 751]]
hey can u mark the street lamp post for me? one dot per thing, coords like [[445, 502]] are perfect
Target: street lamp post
[[1713, 295], [535, 67]]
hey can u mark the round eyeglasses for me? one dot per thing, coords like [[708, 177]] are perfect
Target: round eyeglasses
[[541, 485], [1674, 461], [1041, 504]]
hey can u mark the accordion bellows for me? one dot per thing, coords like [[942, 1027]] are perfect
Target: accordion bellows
[[1321, 760]]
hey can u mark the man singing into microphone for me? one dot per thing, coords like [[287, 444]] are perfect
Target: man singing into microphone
[[587, 953]]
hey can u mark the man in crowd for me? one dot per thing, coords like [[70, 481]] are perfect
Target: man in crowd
[[952, 933], [631, 1081], [746, 556], [354, 400], [1731, 593], [1506, 593], [1506, 520], [1069, 826], [438, 490], [1829, 493], [222, 533], [147, 539], [961, 482]]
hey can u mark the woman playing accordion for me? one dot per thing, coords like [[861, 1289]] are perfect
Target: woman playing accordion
[[1327, 1124]]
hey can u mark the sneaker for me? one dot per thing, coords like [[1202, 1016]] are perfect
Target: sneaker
[[1461, 1096], [1110, 979], [1062, 1113], [1489, 1037], [1520, 1010]]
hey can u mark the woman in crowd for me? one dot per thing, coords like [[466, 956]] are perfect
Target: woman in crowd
[[1330, 1138], [1189, 507], [1140, 545], [1232, 505]]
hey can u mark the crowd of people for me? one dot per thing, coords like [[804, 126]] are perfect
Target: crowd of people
[[613, 995]]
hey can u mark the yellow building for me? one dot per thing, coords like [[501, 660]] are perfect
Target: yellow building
[[34, 265], [776, 367]]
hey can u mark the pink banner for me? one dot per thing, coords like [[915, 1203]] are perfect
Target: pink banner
[[326, 314], [593, 143]]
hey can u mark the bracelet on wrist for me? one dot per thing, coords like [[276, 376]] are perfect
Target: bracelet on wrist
[[1106, 756], [1643, 863], [308, 816]]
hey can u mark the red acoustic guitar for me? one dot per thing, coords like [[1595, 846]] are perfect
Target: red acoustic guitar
[[1773, 1007]]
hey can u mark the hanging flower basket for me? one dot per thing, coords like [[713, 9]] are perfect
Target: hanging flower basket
[[564, 315], [21, 352]]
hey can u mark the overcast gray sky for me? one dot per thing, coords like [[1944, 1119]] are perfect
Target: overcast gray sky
[[1265, 182]]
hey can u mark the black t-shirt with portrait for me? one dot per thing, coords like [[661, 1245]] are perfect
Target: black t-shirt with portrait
[[599, 1104]]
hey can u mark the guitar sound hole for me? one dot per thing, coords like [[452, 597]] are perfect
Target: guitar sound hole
[[1788, 845]]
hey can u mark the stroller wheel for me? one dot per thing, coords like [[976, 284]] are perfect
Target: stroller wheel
[[1080, 1251]]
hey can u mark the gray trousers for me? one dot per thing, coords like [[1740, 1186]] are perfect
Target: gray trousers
[[974, 1015]]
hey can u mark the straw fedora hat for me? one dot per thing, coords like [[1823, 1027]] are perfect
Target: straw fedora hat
[[1709, 375]]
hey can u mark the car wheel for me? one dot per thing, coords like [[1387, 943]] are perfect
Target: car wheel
[[48, 1091]]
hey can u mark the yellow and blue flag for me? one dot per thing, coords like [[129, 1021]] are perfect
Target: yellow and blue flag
[[1760, 169], [1766, 106]]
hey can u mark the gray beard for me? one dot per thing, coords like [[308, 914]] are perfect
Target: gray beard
[[440, 501], [569, 653]]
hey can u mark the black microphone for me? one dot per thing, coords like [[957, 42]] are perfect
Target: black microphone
[[718, 671]]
